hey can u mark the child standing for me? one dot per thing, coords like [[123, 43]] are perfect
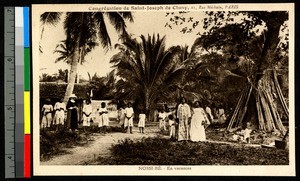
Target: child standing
[[47, 110], [247, 133], [129, 117], [59, 117], [87, 114], [121, 116], [142, 120], [161, 119], [172, 124], [103, 117]]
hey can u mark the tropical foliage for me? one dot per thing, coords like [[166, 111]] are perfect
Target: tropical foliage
[[253, 44], [149, 72], [61, 76], [82, 30], [104, 88]]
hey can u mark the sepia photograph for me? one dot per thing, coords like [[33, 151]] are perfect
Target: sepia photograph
[[197, 89]]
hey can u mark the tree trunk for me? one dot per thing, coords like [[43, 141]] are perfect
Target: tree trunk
[[72, 77], [74, 64], [147, 104]]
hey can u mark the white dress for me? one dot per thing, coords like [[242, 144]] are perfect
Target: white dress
[[172, 129], [142, 120], [197, 131], [128, 113], [161, 118], [87, 109], [121, 116], [59, 116], [103, 118], [221, 116], [208, 111], [47, 115]]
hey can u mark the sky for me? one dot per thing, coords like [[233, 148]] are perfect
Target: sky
[[98, 60]]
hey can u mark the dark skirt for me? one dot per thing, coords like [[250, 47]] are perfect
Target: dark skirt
[[73, 119]]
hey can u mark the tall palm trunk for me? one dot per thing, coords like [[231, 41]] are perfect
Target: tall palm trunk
[[74, 64], [147, 104]]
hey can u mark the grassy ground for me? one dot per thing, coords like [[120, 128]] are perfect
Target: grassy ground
[[160, 151], [53, 143]]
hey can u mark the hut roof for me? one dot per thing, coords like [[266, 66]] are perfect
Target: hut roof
[[57, 90]]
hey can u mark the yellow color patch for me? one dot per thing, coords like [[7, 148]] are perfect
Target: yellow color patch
[[26, 112]]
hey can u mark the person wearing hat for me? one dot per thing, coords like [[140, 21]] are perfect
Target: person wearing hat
[[47, 110], [72, 117]]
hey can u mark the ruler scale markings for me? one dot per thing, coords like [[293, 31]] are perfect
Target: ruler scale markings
[[9, 63]]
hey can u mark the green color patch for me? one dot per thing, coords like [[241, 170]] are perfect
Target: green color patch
[[26, 69]]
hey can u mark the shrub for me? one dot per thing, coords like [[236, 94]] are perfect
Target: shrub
[[53, 142]]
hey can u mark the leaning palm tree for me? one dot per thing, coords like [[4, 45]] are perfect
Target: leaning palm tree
[[82, 28], [147, 69]]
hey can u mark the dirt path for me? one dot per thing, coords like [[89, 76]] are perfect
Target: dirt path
[[98, 147]]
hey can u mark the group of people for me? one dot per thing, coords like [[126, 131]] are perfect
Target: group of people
[[126, 115], [185, 123], [67, 116]]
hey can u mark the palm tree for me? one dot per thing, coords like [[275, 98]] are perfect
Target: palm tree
[[83, 28], [148, 71]]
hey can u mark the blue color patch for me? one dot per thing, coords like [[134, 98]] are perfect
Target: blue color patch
[[26, 27]]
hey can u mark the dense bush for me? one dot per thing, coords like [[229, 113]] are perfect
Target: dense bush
[[159, 151]]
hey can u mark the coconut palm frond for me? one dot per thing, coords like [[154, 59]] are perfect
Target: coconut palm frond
[[51, 18], [116, 19], [127, 16], [102, 33]]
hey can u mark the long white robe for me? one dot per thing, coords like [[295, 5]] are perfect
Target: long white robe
[[197, 132], [183, 114]]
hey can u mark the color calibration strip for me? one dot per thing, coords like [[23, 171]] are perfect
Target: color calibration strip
[[27, 137], [17, 93], [22, 55]]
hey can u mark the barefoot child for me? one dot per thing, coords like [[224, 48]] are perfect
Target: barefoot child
[[87, 114], [59, 117], [172, 127], [129, 117], [161, 119], [47, 110], [103, 117], [142, 120], [247, 133]]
